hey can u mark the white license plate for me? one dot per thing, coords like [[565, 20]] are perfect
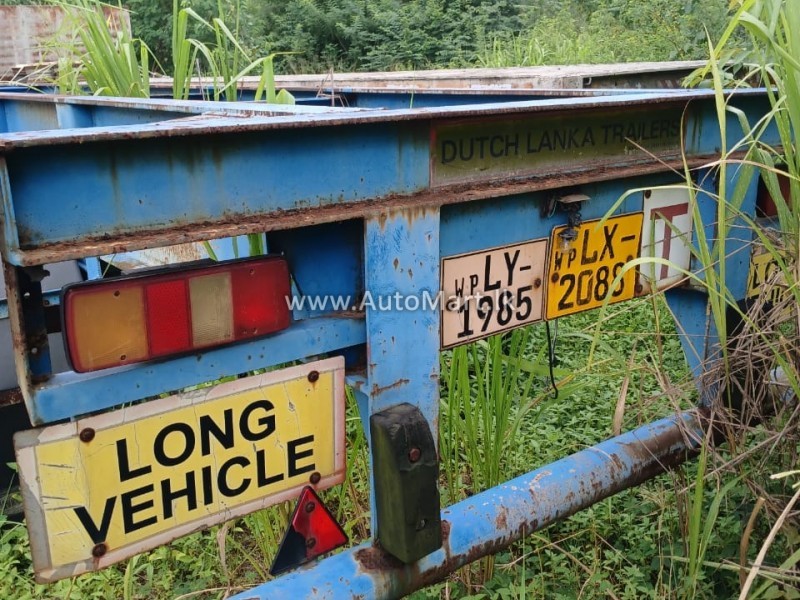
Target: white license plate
[[493, 290]]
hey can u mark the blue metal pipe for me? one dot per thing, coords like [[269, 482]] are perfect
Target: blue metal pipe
[[492, 520]]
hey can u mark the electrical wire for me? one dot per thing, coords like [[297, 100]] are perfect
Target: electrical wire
[[551, 354]]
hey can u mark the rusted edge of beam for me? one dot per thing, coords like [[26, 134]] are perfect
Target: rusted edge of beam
[[290, 219]]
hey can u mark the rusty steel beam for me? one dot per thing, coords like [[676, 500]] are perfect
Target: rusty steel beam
[[490, 521], [566, 77]]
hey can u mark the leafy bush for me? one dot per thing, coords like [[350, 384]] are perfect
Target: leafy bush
[[607, 32], [359, 35]]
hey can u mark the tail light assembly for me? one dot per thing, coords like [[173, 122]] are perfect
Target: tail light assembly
[[154, 314]]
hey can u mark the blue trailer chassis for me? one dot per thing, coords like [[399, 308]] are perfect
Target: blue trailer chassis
[[358, 200]]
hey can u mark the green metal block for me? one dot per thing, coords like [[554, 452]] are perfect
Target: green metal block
[[406, 471]]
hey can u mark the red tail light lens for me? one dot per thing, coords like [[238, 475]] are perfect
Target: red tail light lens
[[124, 320]]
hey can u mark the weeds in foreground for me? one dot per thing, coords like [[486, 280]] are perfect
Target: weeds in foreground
[[757, 338], [752, 340]]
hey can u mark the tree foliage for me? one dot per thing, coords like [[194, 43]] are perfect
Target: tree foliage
[[347, 35]]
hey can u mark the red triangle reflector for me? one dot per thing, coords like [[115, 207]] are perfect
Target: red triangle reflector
[[312, 531]]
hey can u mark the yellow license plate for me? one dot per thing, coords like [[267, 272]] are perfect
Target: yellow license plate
[[765, 277], [101, 489], [581, 276]]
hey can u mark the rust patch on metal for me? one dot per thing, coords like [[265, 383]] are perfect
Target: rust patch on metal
[[350, 314], [416, 211], [377, 559], [670, 447], [38, 339], [501, 521], [445, 530], [18, 333], [10, 397], [539, 477], [379, 390], [616, 467]]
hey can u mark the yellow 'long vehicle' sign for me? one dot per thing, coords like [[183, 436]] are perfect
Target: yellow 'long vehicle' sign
[[104, 488]]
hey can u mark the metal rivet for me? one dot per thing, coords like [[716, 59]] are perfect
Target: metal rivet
[[86, 435], [315, 478], [537, 283], [313, 376], [99, 550], [554, 277], [311, 542], [123, 357], [116, 293], [648, 193], [310, 506], [414, 454], [638, 287], [34, 350]]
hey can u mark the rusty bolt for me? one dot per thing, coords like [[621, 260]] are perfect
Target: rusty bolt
[[313, 376], [638, 288], [537, 283], [648, 193], [311, 542], [315, 477], [554, 278], [414, 454], [86, 435], [629, 259], [99, 550], [310, 506]]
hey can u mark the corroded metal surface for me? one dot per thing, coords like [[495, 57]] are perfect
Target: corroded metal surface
[[490, 521], [262, 120], [565, 77], [121, 243], [9, 397]]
